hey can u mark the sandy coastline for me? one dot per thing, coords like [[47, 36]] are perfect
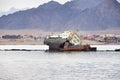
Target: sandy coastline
[[41, 42], [36, 42], [21, 42]]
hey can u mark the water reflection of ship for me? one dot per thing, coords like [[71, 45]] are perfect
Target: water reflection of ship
[[66, 41]]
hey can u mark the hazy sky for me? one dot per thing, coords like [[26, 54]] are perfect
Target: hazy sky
[[6, 5]]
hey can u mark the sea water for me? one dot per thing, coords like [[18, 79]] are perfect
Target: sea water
[[41, 65]]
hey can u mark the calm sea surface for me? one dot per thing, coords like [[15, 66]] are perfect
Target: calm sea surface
[[40, 65]]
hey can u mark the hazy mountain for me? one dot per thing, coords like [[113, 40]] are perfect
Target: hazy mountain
[[82, 4], [106, 15], [76, 14], [12, 10], [1, 13]]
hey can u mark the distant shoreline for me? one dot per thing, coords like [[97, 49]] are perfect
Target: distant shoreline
[[21, 42], [41, 42]]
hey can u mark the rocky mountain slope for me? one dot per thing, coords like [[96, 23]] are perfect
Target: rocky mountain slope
[[76, 14]]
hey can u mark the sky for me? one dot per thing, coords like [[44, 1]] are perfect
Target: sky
[[6, 5]]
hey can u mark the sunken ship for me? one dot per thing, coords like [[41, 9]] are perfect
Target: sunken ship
[[66, 41]]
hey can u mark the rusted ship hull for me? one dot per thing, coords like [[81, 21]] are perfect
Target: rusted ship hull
[[77, 48], [55, 44], [63, 45]]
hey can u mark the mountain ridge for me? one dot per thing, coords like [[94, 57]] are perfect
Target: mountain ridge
[[97, 15]]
